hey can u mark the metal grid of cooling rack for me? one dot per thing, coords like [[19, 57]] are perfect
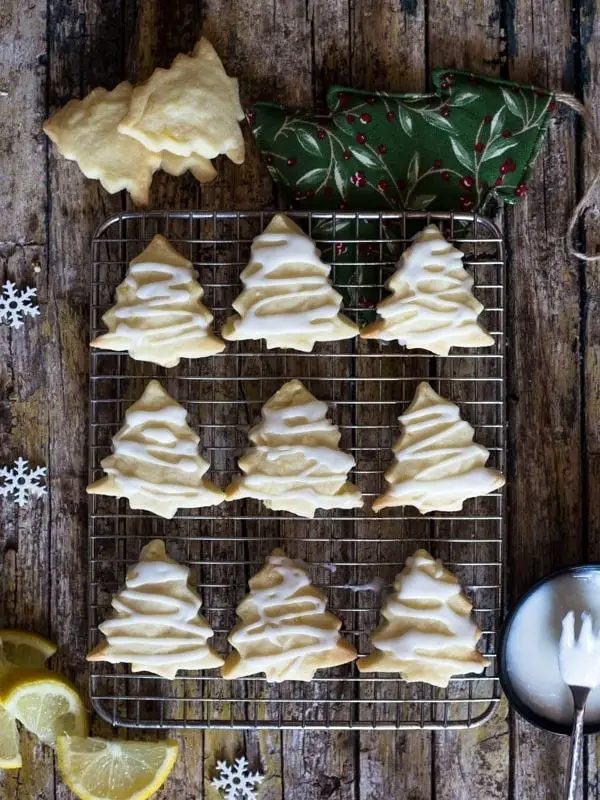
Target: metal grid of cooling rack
[[367, 386]]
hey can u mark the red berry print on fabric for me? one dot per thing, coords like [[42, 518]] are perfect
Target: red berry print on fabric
[[445, 111], [437, 164], [445, 175], [350, 118], [499, 181], [358, 179], [466, 203], [381, 149], [269, 158], [508, 166], [369, 100], [488, 119], [506, 134], [341, 248], [383, 185], [479, 147], [344, 100], [390, 116], [365, 118], [346, 155], [361, 138], [521, 189], [291, 162], [321, 134], [467, 182]]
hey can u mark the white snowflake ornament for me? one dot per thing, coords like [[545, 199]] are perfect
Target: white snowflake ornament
[[21, 482], [16, 304], [236, 782]]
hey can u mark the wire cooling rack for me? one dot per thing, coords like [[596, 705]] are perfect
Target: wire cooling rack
[[367, 385]]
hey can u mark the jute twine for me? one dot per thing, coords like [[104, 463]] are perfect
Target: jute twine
[[586, 200]]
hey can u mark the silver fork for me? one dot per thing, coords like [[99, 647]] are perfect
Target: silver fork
[[579, 662]]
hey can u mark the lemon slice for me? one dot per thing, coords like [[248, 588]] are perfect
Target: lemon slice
[[10, 754], [96, 769], [26, 649], [45, 703]]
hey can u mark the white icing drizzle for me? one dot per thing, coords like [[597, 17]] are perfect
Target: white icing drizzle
[[155, 457], [269, 643], [432, 306], [157, 626], [287, 294], [427, 646], [437, 464], [164, 300], [311, 474]]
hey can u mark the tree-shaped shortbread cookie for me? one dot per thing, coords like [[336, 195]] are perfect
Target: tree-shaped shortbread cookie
[[432, 306], [284, 629], [426, 633], [287, 298], [155, 461], [437, 465], [295, 464], [159, 315], [191, 108], [157, 626]]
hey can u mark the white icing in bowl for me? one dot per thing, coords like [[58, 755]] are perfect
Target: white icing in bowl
[[529, 663]]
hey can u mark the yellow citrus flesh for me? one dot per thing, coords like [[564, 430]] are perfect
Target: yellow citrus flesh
[[45, 703], [97, 769], [26, 649], [10, 754]]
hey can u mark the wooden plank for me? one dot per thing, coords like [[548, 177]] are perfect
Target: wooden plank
[[390, 763], [24, 533], [544, 392], [476, 761], [85, 50], [587, 85], [22, 110]]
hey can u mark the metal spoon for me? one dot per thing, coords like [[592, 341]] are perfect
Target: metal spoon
[[579, 663]]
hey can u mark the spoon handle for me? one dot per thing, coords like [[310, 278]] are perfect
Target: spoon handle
[[575, 747]]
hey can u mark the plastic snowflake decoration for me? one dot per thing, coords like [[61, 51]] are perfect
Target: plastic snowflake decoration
[[21, 482], [236, 782], [15, 304]]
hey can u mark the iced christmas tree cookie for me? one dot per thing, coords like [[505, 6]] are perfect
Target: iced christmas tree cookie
[[432, 306], [284, 629], [426, 633], [157, 626], [159, 315], [437, 465], [295, 463], [155, 461], [287, 298]]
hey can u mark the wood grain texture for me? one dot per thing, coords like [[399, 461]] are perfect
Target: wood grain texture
[[291, 50], [544, 295]]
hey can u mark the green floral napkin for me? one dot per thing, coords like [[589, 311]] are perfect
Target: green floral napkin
[[474, 139]]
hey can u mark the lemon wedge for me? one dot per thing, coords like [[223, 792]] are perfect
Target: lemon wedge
[[26, 649], [97, 769], [10, 753], [47, 704]]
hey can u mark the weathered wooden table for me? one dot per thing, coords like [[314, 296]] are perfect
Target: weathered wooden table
[[51, 50]]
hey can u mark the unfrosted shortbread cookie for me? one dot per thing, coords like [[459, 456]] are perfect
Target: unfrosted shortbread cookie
[[192, 107], [432, 306], [437, 465], [156, 625], [159, 315], [201, 168], [155, 462], [287, 298], [86, 131], [426, 633], [295, 464], [284, 629]]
